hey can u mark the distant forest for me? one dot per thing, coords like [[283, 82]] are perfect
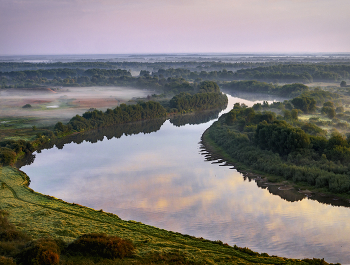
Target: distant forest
[[156, 75], [286, 73]]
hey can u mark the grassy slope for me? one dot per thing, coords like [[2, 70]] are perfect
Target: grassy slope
[[40, 215]]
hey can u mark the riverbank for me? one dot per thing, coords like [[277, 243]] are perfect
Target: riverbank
[[292, 191], [44, 216]]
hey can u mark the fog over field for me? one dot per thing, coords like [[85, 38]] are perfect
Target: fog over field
[[64, 102]]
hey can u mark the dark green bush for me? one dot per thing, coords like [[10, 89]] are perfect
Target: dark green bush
[[101, 245]]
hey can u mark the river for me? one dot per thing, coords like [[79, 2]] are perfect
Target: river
[[165, 178]]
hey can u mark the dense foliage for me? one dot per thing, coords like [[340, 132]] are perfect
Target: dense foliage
[[290, 73], [20, 75], [286, 73], [260, 141], [11, 149], [306, 104], [121, 114], [253, 86], [101, 245], [199, 101]]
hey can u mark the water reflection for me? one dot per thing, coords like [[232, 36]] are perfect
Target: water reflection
[[117, 131], [160, 178], [196, 118], [286, 192], [97, 135], [254, 97]]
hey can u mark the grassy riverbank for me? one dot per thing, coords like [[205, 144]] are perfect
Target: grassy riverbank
[[44, 216]]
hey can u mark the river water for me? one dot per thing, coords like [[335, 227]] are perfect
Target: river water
[[163, 177]]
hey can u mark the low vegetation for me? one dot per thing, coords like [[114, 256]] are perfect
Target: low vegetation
[[290, 90]]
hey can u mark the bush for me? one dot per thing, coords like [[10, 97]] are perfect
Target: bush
[[8, 232], [26, 106], [101, 245], [43, 251], [7, 156]]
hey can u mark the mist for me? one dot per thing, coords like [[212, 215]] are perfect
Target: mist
[[65, 102]]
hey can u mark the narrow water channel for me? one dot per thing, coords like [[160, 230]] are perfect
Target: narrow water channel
[[163, 178]]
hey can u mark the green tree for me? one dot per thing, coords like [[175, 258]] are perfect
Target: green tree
[[306, 104], [208, 86], [294, 114]]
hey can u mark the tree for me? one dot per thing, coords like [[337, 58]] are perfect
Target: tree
[[27, 106], [294, 114], [339, 109], [208, 86], [329, 111], [144, 73], [328, 104], [306, 104]]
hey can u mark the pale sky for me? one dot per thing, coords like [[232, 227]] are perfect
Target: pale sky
[[173, 26]]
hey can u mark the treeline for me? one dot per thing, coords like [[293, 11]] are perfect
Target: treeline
[[200, 101], [63, 77], [253, 86], [286, 73], [304, 73], [63, 73], [95, 77], [269, 144], [121, 114], [209, 97], [194, 75], [14, 66]]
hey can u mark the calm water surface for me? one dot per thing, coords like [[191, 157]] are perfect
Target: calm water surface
[[163, 179]]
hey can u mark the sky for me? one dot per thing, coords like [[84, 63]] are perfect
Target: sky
[[173, 26]]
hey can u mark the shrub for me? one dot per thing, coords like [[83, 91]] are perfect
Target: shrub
[[8, 232], [246, 250], [43, 251], [26, 106], [7, 156], [101, 245], [6, 261]]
